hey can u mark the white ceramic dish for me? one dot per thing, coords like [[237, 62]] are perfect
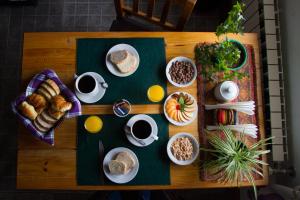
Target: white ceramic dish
[[92, 99], [154, 127], [176, 122], [120, 178], [180, 59], [110, 66], [195, 149]]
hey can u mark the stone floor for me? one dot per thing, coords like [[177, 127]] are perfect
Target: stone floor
[[61, 15]]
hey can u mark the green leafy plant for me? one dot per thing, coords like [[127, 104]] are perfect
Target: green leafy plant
[[215, 59], [219, 58], [234, 21], [233, 161]]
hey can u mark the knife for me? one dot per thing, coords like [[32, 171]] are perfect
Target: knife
[[101, 157]]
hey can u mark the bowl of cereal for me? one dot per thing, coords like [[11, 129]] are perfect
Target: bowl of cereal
[[181, 71], [183, 148]]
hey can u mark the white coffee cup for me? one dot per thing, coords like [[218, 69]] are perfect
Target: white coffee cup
[[153, 132], [96, 86]]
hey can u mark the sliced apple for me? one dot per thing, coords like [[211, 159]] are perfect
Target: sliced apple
[[189, 108], [188, 115], [182, 117]]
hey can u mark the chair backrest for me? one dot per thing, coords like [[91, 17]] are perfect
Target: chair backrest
[[185, 5]]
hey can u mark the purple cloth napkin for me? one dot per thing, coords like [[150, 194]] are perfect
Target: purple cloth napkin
[[32, 86]]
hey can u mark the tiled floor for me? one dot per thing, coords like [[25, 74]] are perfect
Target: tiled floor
[[51, 15]]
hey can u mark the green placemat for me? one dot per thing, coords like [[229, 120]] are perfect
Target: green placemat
[[91, 55], [154, 163]]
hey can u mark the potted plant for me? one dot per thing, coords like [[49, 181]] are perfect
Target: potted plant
[[225, 57], [232, 160]]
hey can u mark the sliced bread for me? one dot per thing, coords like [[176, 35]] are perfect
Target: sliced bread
[[126, 158], [127, 65], [118, 57], [44, 93], [40, 127], [49, 89], [47, 117], [43, 123], [53, 85], [117, 167]]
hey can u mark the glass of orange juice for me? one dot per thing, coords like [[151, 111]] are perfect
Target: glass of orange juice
[[155, 93], [93, 124]]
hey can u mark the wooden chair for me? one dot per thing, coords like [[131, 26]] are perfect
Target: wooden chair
[[125, 23]]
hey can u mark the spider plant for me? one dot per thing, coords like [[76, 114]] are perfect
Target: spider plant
[[233, 161]]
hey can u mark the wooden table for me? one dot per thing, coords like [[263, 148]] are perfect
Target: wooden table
[[41, 166]]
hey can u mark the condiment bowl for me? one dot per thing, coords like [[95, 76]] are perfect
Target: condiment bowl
[[180, 59], [195, 149]]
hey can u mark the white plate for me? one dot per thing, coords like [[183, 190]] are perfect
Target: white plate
[[176, 122], [98, 96], [110, 66], [120, 178], [153, 126], [195, 149], [180, 58]]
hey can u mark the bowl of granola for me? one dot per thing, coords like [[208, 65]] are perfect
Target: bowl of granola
[[183, 148]]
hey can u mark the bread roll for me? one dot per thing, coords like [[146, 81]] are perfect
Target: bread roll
[[49, 89], [44, 93], [117, 167], [38, 102], [126, 158], [55, 114], [60, 104], [53, 85], [27, 110]]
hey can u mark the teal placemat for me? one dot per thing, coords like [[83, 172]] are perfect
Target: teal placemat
[[91, 55], [154, 163]]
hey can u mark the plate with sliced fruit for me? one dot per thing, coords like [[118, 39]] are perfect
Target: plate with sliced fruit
[[180, 108]]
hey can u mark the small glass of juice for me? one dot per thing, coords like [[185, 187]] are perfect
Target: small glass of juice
[[93, 124], [155, 93]]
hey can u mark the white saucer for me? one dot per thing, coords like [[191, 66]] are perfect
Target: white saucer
[[120, 178], [153, 126], [110, 66], [98, 96]]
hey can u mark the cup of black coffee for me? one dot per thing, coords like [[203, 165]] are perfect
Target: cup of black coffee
[[86, 84], [141, 129]]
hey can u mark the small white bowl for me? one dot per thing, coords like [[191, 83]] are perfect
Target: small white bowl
[[195, 149], [180, 59]]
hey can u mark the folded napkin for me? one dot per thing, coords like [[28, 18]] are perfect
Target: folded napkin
[[247, 129], [32, 86], [246, 107]]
